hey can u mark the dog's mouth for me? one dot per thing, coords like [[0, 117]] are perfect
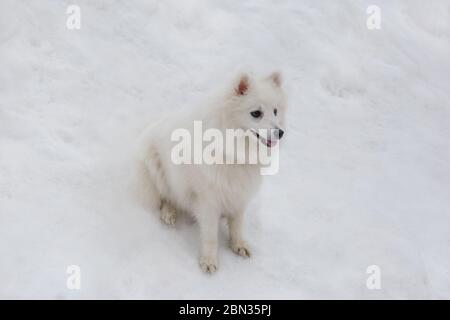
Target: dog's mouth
[[267, 142]]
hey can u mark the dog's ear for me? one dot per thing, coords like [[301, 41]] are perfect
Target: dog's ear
[[276, 78], [243, 85]]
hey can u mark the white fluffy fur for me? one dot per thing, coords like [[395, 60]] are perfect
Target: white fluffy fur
[[209, 192]]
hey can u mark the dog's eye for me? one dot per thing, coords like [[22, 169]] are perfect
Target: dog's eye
[[256, 114], [275, 111]]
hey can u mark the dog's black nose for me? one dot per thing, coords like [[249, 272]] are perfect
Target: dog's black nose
[[280, 133]]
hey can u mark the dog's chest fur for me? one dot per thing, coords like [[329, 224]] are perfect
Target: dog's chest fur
[[235, 185]]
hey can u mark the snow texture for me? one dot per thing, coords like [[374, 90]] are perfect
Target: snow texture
[[365, 169]]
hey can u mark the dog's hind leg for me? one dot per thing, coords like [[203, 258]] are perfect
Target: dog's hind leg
[[160, 188], [157, 188], [168, 213], [145, 188]]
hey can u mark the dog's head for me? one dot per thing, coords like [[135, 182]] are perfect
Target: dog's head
[[259, 105]]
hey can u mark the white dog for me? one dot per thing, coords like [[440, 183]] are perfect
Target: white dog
[[210, 191]]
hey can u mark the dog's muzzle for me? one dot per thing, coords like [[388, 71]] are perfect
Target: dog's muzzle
[[278, 134]]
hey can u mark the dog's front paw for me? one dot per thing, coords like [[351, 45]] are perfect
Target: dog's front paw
[[241, 249], [208, 264]]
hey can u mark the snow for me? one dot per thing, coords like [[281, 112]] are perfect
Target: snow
[[365, 168]]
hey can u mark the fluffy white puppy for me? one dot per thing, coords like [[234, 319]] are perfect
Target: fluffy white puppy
[[209, 191]]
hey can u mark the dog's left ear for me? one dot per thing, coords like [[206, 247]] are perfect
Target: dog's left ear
[[276, 78]]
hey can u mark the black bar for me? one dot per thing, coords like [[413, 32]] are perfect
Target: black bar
[[222, 309]]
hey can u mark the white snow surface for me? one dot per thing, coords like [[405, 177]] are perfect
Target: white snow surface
[[365, 169]]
